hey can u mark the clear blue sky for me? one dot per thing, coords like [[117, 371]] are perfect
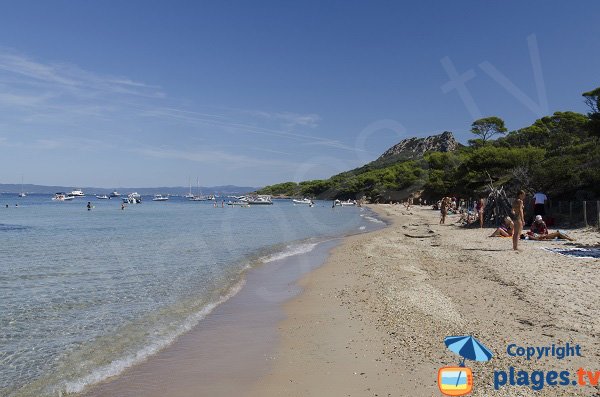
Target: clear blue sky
[[149, 93]]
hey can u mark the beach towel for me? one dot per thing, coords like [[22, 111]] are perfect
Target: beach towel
[[584, 253]]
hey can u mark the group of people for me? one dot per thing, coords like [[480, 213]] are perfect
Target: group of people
[[513, 227], [449, 205]]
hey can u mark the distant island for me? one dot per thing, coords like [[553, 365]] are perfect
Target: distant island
[[558, 154]]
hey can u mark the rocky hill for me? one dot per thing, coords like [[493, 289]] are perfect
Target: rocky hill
[[416, 147]]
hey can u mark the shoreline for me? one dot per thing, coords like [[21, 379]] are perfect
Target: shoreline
[[372, 320], [367, 314], [256, 306]]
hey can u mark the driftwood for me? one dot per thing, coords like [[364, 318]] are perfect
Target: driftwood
[[417, 236]]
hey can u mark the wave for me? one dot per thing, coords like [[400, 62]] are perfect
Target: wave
[[291, 250], [374, 220]]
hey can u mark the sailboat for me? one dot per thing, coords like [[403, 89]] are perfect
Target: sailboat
[[22, 194], [190, 195], [199, 196]]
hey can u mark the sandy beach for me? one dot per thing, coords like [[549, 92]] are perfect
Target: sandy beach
[[372, 320]]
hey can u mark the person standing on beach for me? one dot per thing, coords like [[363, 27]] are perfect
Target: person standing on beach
[[518, 217], [479, 207], [539, 207], [444, 209]]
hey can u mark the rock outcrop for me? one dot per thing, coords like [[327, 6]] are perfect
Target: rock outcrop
[[416, 147]]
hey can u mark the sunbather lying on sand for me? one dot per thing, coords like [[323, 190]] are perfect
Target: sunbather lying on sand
[[539, 231], [506, 229]]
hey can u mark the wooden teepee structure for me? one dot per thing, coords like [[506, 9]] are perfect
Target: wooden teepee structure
[[497, 206]]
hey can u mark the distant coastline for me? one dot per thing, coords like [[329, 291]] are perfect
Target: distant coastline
[[7, 188]]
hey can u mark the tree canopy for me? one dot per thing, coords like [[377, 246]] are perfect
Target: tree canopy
[[592, 99], [488, 127]]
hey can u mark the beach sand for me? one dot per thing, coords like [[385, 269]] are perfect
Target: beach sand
[[372, 320]]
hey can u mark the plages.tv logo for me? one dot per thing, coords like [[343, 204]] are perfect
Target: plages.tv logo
[[458, 380]]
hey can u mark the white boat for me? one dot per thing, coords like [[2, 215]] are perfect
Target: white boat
[[103, 197], [61, 196], [196, 197], [77, 193], [132, 198], [303, 201], [160, 197], [258, 200], [22, 194], [114, 194], [190, 195], [238, 203], [348, 203], [211, 197]]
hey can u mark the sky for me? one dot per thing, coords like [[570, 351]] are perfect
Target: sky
[[153, 93]]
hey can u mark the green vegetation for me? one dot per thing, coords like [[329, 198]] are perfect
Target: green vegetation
[[488, 127], [558, 154]]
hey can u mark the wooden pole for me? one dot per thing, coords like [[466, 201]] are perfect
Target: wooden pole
[[570, 212], [585, 213], [598, 211]]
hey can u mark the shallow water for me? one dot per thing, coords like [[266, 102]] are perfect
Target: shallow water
[[86, 294]]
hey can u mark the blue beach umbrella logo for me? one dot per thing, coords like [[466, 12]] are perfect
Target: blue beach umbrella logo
[[468, 348], [458, 381]]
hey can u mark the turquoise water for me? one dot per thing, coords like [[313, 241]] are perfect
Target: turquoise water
[[85, 294]]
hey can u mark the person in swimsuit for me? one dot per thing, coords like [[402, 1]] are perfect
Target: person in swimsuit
[[479, 209], [506, 229], [519, 217], [444, 209]]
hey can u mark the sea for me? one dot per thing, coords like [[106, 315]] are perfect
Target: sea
[[85, 294]]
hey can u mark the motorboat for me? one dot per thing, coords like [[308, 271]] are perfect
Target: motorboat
[[348, 203], [62, 196], [160, 197], [258, 200], [238, 203], [197, 198], [132, 198], [103, 197], [303, 201], [211, 197], [77, 193], [114, 194]]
